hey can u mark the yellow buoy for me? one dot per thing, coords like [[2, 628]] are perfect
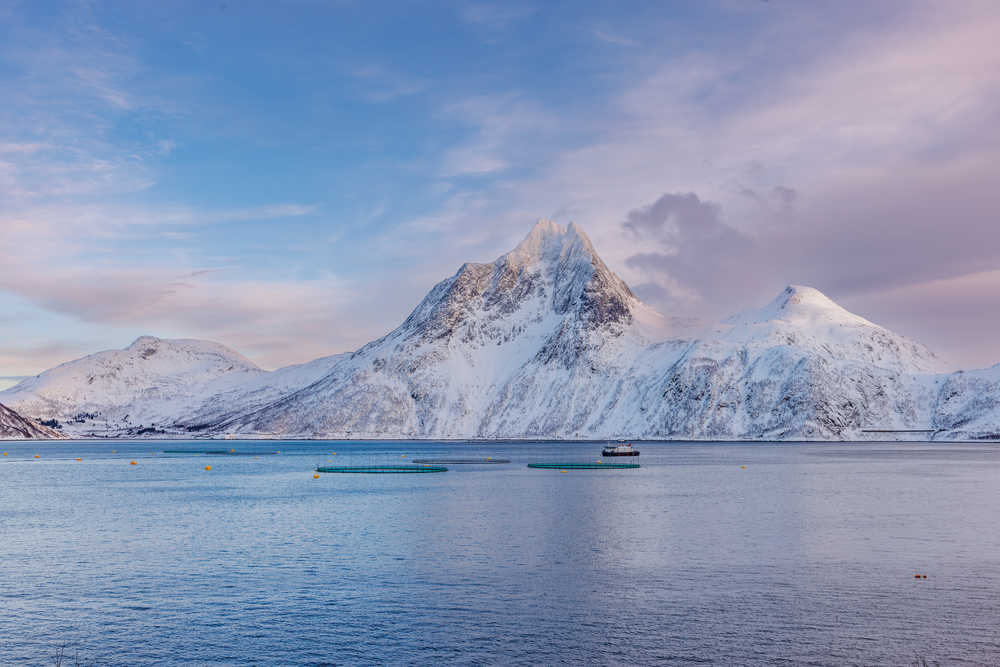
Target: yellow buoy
[[402, 456], [208, 467], [562, 471], [232, 450], [5, 453], [315, 475], [743, 467], [113, 451], [133, 463]]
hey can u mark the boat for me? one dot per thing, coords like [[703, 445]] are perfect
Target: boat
[[620, 449]]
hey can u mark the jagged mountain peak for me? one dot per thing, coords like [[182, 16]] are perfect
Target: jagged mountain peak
[[553, 272], [550, 241]]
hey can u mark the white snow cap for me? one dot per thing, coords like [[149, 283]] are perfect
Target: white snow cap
[[549, 240], [799, 301]]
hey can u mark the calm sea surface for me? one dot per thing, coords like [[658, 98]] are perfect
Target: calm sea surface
[[806, 556]]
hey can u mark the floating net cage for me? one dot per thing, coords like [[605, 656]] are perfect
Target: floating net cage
[[383, 470], [217, 452], [583, 466], [486, 461]]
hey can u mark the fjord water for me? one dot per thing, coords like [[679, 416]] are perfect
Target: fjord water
[[806, 555]]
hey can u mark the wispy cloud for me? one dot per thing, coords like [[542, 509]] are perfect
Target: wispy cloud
[[385, 85], [504, 130], [497, 16], [613, 38]]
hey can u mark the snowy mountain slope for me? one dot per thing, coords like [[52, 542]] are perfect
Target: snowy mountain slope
[[223, 399], [15, 427], [801, 367], [449, 368], [968, 405], [546, 341], [146, 385]]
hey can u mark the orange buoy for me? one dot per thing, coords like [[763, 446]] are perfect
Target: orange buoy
[[5, 453], [402, 456], [37, 456], [316, 475], [208, 467], [79, 459], [916, 576], [133, 463], [923, 576], [232, 450]]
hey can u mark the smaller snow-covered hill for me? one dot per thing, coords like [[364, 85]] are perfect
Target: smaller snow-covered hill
[[15, 427], [146, 385], [801, 367]]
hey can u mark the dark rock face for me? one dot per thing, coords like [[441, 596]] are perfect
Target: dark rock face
[[15, 427]]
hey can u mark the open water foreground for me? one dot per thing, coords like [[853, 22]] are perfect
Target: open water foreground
[[734, 554]]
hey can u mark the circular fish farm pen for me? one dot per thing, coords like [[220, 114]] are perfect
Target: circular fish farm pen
[[583, 466], [383, 470], [458, 462]]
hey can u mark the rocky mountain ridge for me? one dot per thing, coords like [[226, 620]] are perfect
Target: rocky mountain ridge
[[546, 341]]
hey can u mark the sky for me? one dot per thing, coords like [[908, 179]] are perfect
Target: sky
[[291, 180]]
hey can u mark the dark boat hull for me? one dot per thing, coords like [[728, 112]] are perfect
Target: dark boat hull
[[607, 453]]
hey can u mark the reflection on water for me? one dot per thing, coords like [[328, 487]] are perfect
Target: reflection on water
[[734, 554]]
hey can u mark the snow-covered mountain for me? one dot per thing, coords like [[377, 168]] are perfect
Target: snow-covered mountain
[[968, 405], [530, 345], [15, 427], [801, 367], [143, 388], [546, 341]]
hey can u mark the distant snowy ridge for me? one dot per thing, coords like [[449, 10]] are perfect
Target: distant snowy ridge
[[15, 427], [546, 341], [145, 386]]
